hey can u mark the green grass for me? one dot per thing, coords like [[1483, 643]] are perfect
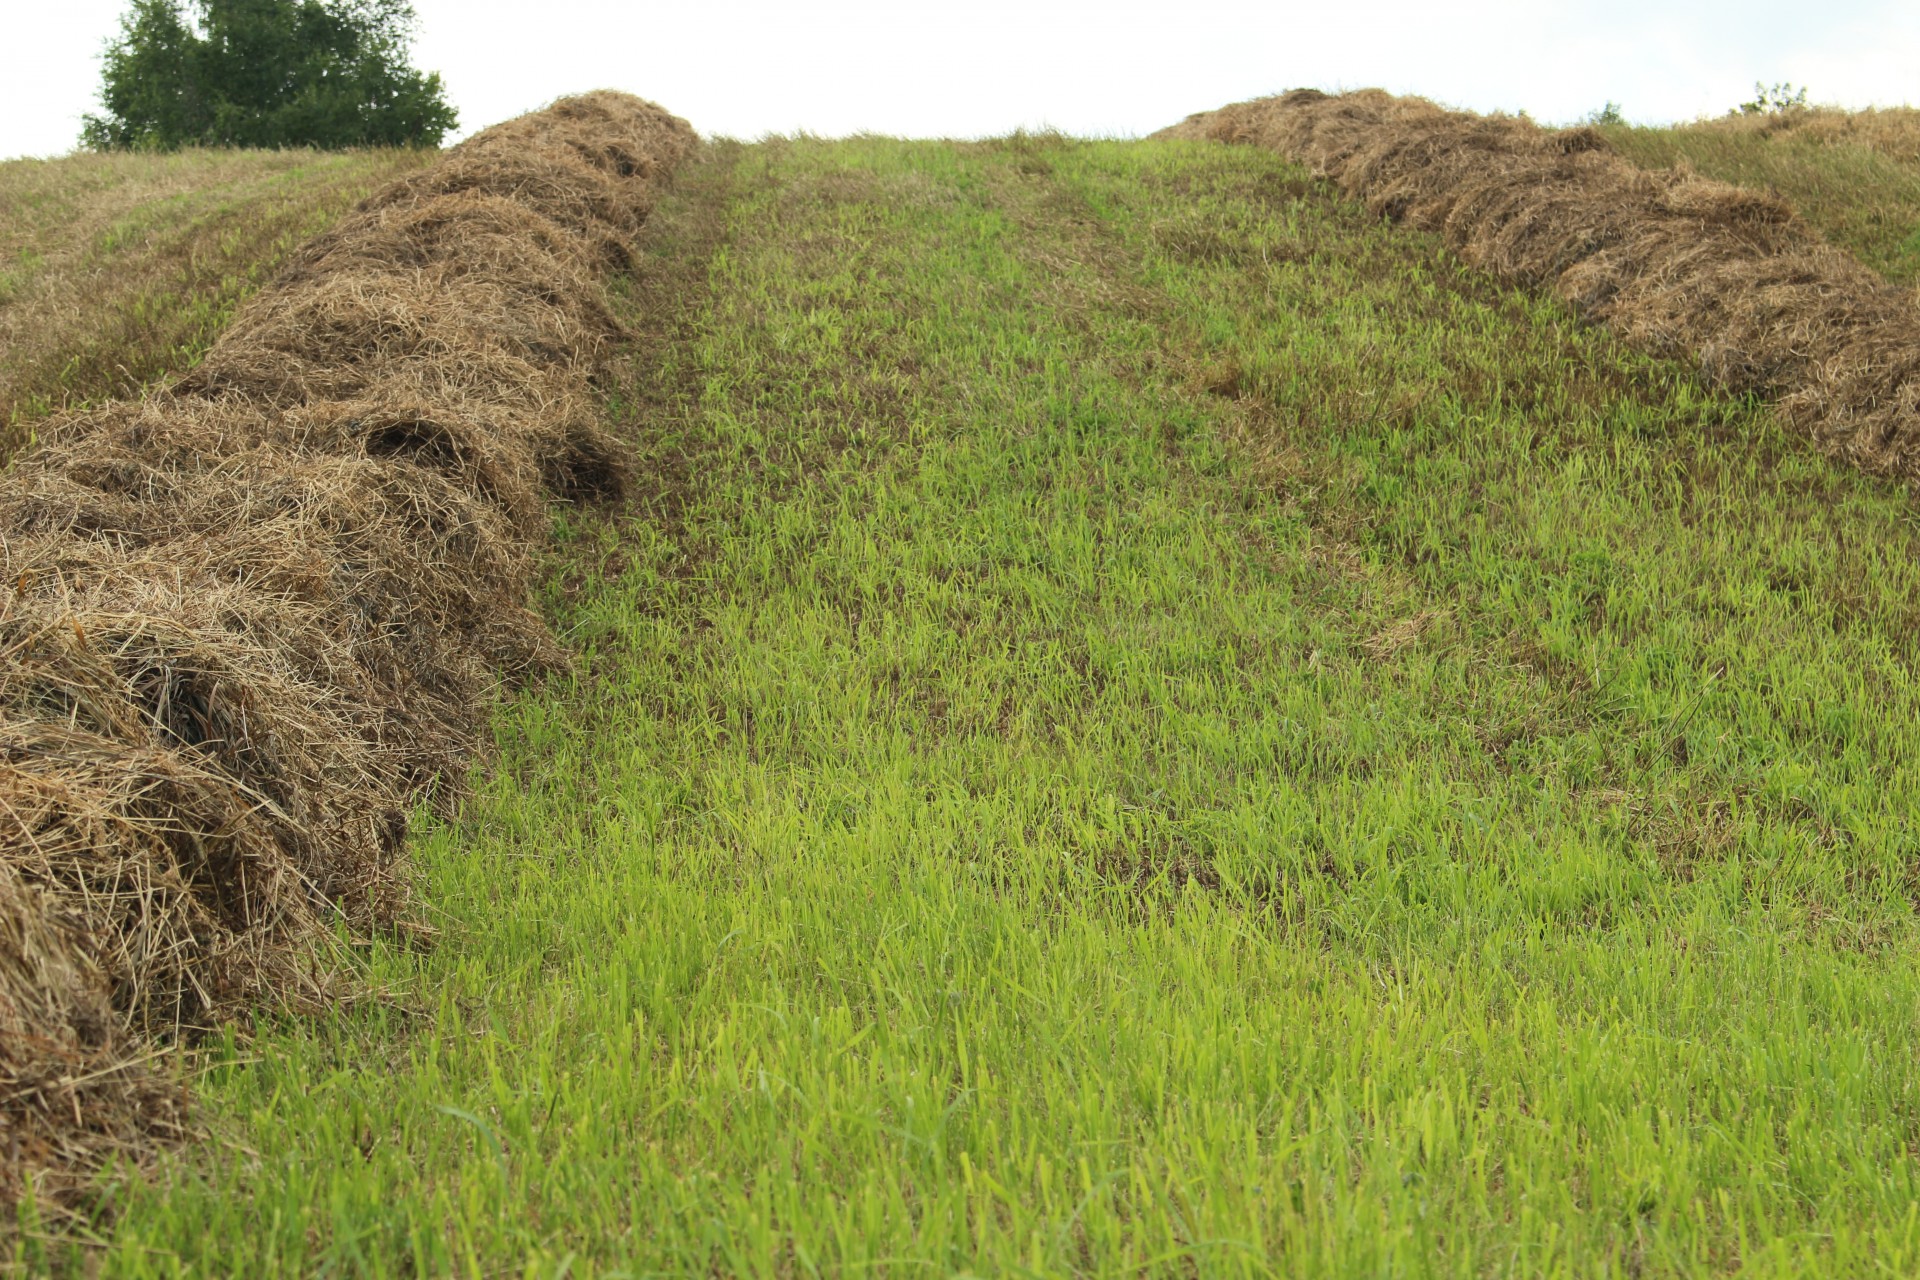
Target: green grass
[[1148, 724], [1862, 197]]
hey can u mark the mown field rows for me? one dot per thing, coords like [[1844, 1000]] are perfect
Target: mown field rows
[[259, 615], [1727, 277], [116, 269], [1145, 721], [1854, 176]]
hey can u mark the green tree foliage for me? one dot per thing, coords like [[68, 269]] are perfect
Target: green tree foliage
[[1771, 100], [266, 73]]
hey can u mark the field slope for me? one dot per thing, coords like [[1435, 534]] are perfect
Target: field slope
[[116, 269], [1148, 723], [1854, 176]]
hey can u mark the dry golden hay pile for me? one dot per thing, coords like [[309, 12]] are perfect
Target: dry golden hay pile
[[248, 623], [1675, 264]]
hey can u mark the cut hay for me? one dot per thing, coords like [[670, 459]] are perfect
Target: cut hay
[[331, 337], [1674, 264], [247, 624]]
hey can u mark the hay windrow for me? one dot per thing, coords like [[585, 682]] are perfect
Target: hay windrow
[[248, 623], [1674, 264], [469, 230], [330, 337]]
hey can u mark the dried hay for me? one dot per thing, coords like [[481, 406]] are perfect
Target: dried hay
[[601, 131], [118, 461], [1673, 263], [72, 1083], [569, 195], [247, 624], [466, 229], [420, 581], [330, 337], [255, 688]]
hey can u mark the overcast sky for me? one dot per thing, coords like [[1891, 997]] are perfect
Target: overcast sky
[[1117, 67]]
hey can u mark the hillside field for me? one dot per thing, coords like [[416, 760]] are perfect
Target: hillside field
[[1139, 721], [116, 269], [1855, 176]]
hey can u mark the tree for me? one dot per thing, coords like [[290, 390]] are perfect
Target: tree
[[266, 73], [1773, 100]]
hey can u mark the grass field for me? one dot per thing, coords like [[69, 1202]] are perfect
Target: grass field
[[118, 268], [1856, 178], [1146, 723]]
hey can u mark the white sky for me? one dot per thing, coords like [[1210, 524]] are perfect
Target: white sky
[[748, 68]]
